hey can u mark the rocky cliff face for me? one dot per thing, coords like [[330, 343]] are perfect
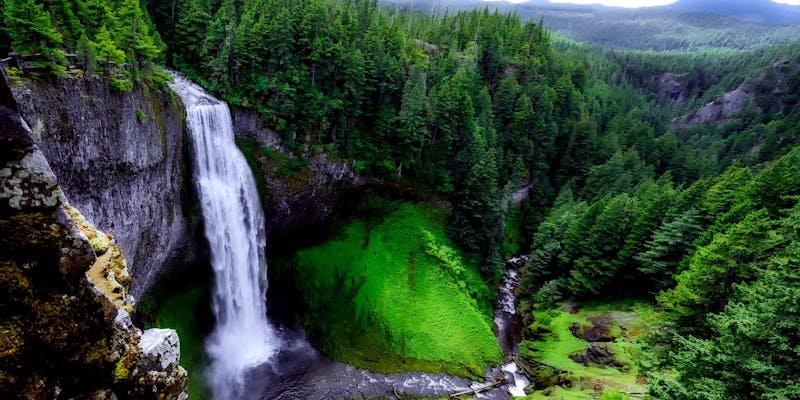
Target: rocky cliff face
[[773, 90], [119, 160], [728, 107], [64, 293], [296, 195], [672, 87]]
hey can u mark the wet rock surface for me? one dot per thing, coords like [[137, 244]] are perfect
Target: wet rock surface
[[62, 335], [119, 159], [597, 354], [507, 322], [600, 331], [300, 372], [295, 198]]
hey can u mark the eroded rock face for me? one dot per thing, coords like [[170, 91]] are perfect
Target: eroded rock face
[[64, 333], [719, 111], [294, 199], [600, 331], [772, 91], [119, 160], [600, 354], [672, 86]]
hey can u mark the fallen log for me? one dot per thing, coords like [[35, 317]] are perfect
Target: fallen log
[[495, 384]]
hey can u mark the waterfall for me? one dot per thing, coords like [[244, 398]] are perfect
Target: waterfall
[[234, 226]]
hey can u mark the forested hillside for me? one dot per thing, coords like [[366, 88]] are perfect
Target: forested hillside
[[114, 38], [475, 104], [666, 178], [468, 105], [682, 26]]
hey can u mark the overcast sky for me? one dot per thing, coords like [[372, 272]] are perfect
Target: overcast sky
[[633, 3]]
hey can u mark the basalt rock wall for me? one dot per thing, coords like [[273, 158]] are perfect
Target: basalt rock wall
[[119, 159]]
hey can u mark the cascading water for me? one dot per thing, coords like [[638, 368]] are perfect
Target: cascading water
[[508, 324], [234, 227]]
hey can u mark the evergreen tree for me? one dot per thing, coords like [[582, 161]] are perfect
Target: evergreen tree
[[476, 215], [86, 54], [32, 32], [191, 26], [578, 155], [217, 51], [63, 13], [733, 257], [750, 351], [594, 249], [505, 101], [667, 247], [413, 118], [107, 50], [517, 142], [134, 33]]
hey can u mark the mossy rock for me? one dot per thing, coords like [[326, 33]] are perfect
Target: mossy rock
[[393, 294]]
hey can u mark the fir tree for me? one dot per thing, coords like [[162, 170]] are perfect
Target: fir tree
[[32, 32], [86, 54]]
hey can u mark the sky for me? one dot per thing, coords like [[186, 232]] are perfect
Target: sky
[[634, 3]]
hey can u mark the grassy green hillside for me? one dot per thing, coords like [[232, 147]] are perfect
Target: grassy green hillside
[[392, 294], [604, 334]]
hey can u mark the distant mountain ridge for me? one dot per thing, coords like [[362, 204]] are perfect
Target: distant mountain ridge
[[686, 25], [756, 11]]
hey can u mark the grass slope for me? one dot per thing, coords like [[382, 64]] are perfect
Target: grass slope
[[556, 342], [393, 295]]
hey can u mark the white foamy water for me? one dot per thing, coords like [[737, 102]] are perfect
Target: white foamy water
[[234, 226], [520, 382]]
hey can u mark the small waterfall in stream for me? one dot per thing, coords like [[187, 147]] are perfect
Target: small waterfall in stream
[[234, 226]]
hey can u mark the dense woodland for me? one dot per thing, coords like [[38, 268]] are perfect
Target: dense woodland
[[702, 220], [689, 25]]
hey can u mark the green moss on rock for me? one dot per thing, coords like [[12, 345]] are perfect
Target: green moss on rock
[[395, 295]]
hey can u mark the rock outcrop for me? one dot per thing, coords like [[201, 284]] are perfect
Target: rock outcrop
[[726, 108], [672, 87], [296, 195], [119, 159], [65, 329], [773, 90]]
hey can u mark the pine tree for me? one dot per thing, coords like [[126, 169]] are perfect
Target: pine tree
[[107, 50], [578, 155], [505, 101], [190, 28], [667, 247], [217, 51], [413, 117], [63, 13], [476, 209], [134, 33], [32, 32], [86, 54], [518, 141], [732, 257], [595, 262], [750, 349]]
